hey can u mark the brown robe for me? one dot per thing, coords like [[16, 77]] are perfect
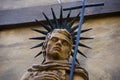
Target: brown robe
[[54, 71]]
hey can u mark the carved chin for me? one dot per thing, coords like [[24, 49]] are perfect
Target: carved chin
[[55, 55]]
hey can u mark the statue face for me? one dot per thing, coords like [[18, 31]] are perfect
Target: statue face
[[58, 47]]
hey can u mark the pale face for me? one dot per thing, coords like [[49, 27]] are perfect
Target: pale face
[[58, 47]]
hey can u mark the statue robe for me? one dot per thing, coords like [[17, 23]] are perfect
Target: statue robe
[[54, 71]]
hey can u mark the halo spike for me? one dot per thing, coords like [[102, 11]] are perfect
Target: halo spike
[[74, 33], [38, 38], [66, 19], [85, 30], [48, 20], [61, 17], [39, 45], [46, 27], [74, 28], [82, 31], [75, 59], [82, 53], [85, 38], [83, 45], [38, 54], [40, 31], [54, 17], [72, 22], [43, 61]]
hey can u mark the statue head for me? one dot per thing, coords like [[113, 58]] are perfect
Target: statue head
[[58, 45], [60, 37]]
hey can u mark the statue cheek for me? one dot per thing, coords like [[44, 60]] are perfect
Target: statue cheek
[[68, 50], [48, 47]]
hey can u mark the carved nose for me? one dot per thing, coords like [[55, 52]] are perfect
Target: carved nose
[[59, 42]]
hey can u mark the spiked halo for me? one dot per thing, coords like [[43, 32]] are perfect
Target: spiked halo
[[60, 24]]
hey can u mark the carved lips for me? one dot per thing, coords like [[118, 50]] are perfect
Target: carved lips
[[57, 48]]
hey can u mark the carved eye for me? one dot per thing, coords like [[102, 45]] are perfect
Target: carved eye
[[65, 43], [54, 39]]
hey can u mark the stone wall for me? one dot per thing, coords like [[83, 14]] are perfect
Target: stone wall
[[102, 62], [15, 4]]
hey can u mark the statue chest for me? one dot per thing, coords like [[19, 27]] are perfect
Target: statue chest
[[49, 75], [54, 75]]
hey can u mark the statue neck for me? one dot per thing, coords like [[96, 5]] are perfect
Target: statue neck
[[56, 61]]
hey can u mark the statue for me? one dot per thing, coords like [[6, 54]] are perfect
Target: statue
[[56, 49]]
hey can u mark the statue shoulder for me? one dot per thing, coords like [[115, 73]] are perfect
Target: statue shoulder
[[79, 71], [28, 75]]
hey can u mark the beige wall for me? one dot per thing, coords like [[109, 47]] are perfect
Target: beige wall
[[102, 62]]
